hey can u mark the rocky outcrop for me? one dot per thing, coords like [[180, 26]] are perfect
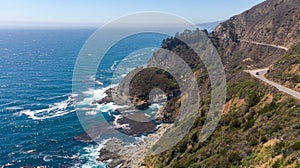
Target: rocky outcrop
[[137, 94]]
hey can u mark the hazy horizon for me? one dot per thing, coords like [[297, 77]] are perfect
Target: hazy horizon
[[38, 14]]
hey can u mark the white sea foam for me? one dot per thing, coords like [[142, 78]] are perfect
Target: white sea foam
[[99, 83], [3, 86], [117, 125], [87, 101], [28, 151], [6, 104], [140, 139], [91, 153], [73, 157], [92, 78], [147, 115], [97, 94], [48, 158], [54, 110], [50, 98], [123, 75], [155, 106], [114, 65], [7, 165], [108, 107], [14, 108], [91, 113], [137, 55]]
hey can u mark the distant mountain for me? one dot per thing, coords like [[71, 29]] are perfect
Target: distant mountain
[[209, 26]]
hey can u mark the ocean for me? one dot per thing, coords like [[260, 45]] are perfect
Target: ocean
[[37, 108]]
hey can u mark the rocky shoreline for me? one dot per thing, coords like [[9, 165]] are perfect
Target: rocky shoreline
[[116, 154], [147, 87]]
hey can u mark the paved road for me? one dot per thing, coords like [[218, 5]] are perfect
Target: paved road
[[265, 44], [260, 74]]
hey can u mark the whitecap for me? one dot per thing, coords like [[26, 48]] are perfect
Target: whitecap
[[29, 151], [6, 104], [50, 98], [7, 165], [99, 83], [14, 108], [3, 86], [47, 158], [73, 157]]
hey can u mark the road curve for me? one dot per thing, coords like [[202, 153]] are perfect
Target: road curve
[[264, 44], [260, 74]]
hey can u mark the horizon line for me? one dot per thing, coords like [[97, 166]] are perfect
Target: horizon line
[[23, 24]]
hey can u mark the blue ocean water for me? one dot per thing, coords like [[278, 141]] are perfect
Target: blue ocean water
[[37, 108]]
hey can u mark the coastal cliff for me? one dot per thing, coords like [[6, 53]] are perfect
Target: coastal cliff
[[259, 126]]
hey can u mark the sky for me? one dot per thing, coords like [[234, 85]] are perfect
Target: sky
[[97, 12]]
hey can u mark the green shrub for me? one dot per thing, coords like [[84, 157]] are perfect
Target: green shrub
[[263, 139], [277, 164], [296, 146], [234, 157], [278, 148], [268, 108], [253, 142], [236, 123], [249, 124], [253, 98], [297, 126]]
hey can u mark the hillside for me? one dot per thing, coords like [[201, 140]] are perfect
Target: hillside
[[287, 70], [260, 125], [271, 22]]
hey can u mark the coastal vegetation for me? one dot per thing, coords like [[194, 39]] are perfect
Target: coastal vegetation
[[260, 125]]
